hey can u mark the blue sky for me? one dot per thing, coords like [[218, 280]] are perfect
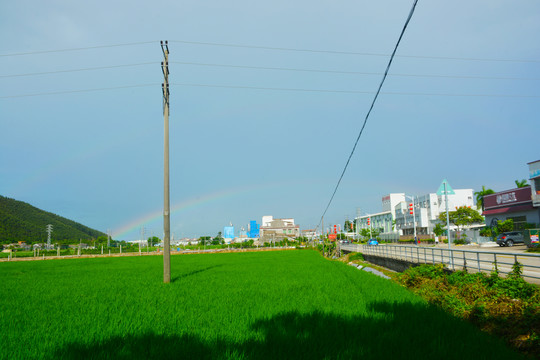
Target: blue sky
[[461, 102]]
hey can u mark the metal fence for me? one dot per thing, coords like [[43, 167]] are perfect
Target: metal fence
[[456, 259]]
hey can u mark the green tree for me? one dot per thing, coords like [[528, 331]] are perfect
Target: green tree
[[486, 232], [462, 216], [218, 239], [480, 196], [101, 240], [374, 233], [349, 226], [205, 240], [153, 240], [521, 183], [504, 226], [439, 229]]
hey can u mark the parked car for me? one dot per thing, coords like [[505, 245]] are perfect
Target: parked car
[[510, 238], [373, 242]]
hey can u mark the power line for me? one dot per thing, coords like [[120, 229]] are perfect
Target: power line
[[273, 89], [350, 91], [348, 72], [370, 109], [77, 91], [77, 49], [77, 70], [348, 52], [261, 47], [268, 68]]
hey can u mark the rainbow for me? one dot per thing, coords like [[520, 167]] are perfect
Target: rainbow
[[185, 205]]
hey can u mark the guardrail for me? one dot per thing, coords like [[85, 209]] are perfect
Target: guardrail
[[455, 258]]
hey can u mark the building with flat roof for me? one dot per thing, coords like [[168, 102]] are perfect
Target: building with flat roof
[[395, 219], [253, 229], [427, 209], [228, 232], [522, 205], [515, 204], [534, 179], [385, 219], [278, 228]]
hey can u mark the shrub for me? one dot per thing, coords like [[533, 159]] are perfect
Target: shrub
[[356, 256], [507, 307]]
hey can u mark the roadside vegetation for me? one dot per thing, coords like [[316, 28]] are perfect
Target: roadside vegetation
[[256, 305], [506, 307]]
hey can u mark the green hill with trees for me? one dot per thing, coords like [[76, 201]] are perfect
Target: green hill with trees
[[20, 221]]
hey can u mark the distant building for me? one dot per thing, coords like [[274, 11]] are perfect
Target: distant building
[[228, 232], [253, 229], [309, 233], [396, 219], [534, 179], [522, 205], [278, 228], [243, 234], [427, 209], [515, 204], [139, 242]]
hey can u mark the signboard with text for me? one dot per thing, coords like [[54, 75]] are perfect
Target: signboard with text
[[520, 196]]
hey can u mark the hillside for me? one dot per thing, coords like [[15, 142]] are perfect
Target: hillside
[[20, 221]]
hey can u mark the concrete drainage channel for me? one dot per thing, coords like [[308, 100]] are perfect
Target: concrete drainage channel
[[371, 270]]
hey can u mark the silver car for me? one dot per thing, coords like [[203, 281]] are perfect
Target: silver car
[[510, 238]]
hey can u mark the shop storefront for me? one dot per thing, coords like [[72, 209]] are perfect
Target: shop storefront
[[515, 204]]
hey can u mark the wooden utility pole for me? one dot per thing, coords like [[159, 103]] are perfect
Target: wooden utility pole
[[166, 203]]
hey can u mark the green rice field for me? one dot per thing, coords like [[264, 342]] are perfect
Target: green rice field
[[254, 305]]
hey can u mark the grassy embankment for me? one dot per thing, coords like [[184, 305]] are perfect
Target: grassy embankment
[[286, 304], [506, 307]]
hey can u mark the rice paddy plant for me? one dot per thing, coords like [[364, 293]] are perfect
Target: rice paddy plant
[[262, 305]]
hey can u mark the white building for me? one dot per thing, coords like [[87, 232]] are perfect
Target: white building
[[396, 219], [427, 209], [383, 220]]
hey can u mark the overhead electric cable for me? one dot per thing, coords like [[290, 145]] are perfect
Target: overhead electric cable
[[77, 49], [349, 91], [274, 89], [77, 70], [411, 12], [78, 91], [322, 51], [323, 71], [337, 52], [348, 72]]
